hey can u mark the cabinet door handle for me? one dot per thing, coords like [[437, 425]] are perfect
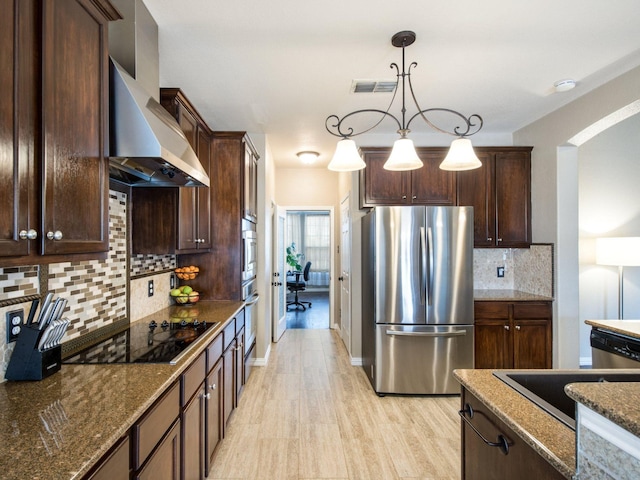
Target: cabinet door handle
[[207, 396], [31, 234], [502, 443], [489, 239], [517, 327], [499, 239], [404, 197], [414, 197], [506, 327], [213, 386], [57, 235]]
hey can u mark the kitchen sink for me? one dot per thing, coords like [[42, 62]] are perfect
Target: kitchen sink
[[546, 388]]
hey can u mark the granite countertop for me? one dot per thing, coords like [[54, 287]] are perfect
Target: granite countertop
[[550, 438], [59, 427], [624, 327], [491, 295], [615, 401]]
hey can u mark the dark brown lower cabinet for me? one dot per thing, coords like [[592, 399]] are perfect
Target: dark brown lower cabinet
[[116, 463], [164, 464], [513, 334], [229, 373], [213, 413], [193, 437], [481, 461]]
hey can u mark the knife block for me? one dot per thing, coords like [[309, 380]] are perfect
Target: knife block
[[27, 362]]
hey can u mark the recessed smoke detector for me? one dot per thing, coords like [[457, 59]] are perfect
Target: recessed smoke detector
[[373, 86], [564, 85]]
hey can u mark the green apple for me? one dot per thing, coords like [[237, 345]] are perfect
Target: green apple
[[175, 292], [187, 289]]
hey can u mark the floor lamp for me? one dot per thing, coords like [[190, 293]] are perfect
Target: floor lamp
[[621, 252]]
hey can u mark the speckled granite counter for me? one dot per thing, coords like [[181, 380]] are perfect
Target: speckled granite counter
[[617, 402], [624, 327], [553, 440], [59, 427], [508, 295]]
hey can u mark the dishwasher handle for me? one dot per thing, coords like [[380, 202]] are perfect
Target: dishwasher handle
[[502, 443], [454, 333]]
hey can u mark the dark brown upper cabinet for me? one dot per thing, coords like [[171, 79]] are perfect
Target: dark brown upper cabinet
[[54, 168], [425, 186], [500, 194]]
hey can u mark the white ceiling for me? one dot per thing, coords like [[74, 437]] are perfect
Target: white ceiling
[[280, 67]]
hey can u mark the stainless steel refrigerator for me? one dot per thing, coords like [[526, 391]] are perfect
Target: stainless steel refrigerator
[[417, 298]]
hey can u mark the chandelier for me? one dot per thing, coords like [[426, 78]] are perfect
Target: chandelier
[[403, 155]]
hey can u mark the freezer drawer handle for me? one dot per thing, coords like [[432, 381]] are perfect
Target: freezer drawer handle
[[455, 333], [502, 443]]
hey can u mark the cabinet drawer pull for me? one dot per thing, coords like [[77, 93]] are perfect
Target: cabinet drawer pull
[[502, 443], [506, 327], [517, 327], [57, 235], [31, 234]]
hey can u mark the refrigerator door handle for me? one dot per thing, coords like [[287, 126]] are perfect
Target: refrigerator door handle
[[430, 266], [423, 266], [454, 333]]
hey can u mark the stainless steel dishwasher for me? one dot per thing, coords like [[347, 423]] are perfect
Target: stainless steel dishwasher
[[614, 350]]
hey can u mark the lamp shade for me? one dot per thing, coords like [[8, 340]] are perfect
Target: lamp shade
[[403, 156], [461, 156], [346, 158], [620, 251]]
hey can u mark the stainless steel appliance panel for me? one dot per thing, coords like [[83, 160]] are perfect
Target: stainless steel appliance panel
[[249, 254], [420, 359], [399, 265], [614, 350], [449, 259]]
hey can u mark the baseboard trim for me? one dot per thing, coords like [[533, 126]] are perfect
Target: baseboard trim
[[263, 361]]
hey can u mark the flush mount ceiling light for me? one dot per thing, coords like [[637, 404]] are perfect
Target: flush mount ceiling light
[[564, 85], [308, 157], [403, 155]]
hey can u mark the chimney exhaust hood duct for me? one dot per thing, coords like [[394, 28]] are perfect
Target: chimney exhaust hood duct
[[147, 146]]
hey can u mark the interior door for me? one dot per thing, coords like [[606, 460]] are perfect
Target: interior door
[[345, 273], [279, 312]]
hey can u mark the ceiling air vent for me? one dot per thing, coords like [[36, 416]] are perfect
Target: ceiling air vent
[[373, 86]]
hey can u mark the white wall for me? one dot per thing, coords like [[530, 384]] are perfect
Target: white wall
[[608, 180], [554, 177]]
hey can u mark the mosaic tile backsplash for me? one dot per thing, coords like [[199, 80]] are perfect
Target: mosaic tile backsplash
[[17, 282], [96, 289]]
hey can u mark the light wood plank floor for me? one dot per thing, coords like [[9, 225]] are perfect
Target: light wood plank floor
[[309, 414]]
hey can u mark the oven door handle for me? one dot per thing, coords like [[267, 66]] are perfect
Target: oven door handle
[[253, 301]]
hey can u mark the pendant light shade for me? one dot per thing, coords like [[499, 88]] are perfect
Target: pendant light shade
[[346, 158], [461, 156], [403, 156]]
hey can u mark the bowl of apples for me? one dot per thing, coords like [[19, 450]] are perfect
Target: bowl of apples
[[185, 295]]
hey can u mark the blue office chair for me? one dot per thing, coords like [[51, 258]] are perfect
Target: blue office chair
[[299, 285]]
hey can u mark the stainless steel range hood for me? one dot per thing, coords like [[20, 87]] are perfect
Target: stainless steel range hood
[[147, 146]]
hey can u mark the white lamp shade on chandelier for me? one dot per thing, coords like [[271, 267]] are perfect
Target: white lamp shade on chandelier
[[403, 156], [346, 157], [461, 156]]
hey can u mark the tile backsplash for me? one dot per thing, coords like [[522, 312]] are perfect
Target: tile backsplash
[[17, 282], [526, 269]]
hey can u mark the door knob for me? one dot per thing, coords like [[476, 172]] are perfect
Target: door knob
[[57, 235], [31, 234]]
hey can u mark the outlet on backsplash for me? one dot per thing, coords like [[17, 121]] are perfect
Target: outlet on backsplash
[[150, 288]]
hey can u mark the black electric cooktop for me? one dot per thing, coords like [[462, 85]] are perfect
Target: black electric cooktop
[[144, 343]]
